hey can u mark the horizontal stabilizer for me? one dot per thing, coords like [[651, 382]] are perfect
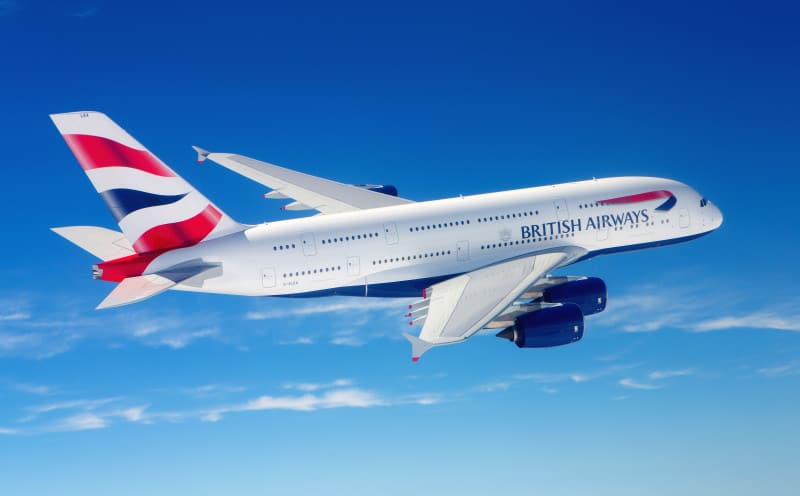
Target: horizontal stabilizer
[[134, 289], [103, 243]]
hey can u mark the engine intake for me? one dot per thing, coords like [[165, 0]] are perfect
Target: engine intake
[[386, 189], [547, 327], [589, 294]]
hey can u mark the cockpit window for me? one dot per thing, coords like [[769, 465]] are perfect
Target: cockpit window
[[703, 202]]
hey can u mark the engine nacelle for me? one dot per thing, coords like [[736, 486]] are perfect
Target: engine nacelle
[[547, 327], [589, 294], [386, 189]]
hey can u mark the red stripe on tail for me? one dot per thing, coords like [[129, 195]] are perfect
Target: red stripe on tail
[[180, 234], [130, 266], [94, 152], [650, 195]]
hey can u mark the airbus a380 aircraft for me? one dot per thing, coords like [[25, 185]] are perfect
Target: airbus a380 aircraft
[[474, 262]]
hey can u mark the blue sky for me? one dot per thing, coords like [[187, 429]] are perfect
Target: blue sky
[[689, 382]]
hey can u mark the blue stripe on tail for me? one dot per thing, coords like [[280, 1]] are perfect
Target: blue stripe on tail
[[122, 202], [667, 204]]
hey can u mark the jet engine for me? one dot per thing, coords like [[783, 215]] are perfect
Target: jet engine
[[589, 294], [386, 189], [554, 326]]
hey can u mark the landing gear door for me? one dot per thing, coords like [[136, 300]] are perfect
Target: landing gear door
[[309, 246]]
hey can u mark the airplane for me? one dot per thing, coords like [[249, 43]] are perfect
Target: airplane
[[474, 262]]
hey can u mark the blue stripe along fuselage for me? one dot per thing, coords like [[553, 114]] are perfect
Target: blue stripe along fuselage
[[122, 202]]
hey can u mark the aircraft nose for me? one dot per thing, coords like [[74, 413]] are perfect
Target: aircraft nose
[[716, 216]]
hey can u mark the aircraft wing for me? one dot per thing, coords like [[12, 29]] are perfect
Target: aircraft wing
[[453, 310], [310, 192]]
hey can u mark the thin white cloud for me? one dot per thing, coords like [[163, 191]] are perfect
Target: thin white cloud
[[80, 422], [310, 387], [631, 384], [758, 320], [697, 308], [14, 316], [548, 377], [577, 377], [133, 414], [37, 389], [90, 415], [347, 341], [339, 398], [147, 328], [182, 339], [172, 331], [666, 374], [212, 390], [494, 387], [8, 432], [643, 310], [422, 399], [783, 370], [12, 341], [549, 390], [653, 324], [84, 404], [61, 327], [14, 308], [300, 340], [354, 305]]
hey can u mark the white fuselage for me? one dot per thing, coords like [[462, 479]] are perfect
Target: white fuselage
[[400, 250]]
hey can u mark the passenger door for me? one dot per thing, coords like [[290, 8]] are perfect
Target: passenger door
[[683, 218], [268, 277], [390, 230], [309, 246], [562, 212], [462, 251], [353, 266]]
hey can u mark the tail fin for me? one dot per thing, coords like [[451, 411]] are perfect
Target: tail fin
[[156, 209]]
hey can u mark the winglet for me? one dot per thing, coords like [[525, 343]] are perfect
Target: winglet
[[201, 154], [418, 346]]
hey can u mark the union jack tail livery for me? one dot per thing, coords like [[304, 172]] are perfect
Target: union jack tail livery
[[155, 208]]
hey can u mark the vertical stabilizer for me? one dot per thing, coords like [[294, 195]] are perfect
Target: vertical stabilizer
[[156, 209]]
